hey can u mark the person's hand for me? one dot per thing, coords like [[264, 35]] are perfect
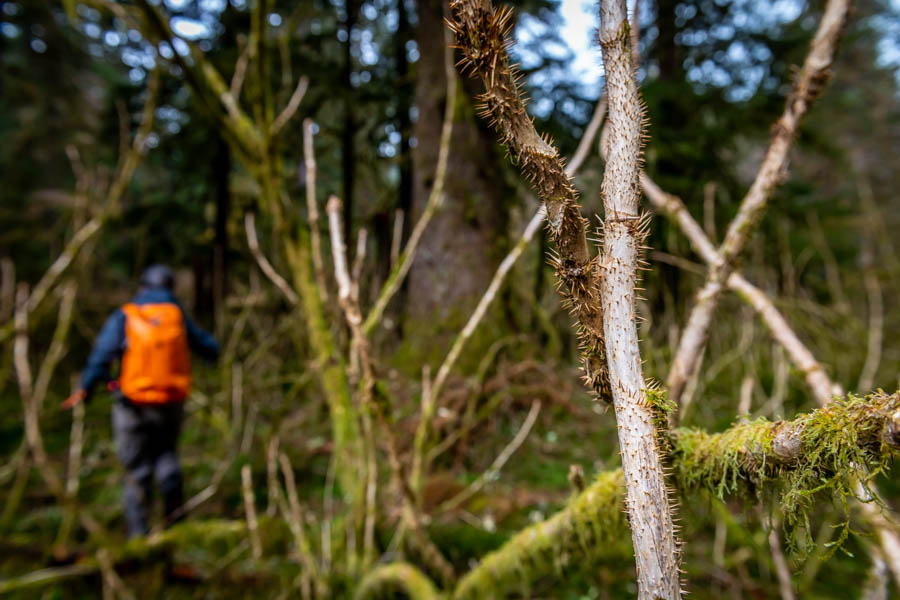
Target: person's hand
[[74, 399]]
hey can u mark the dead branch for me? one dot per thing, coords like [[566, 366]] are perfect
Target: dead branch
[[250, 510], [264, 265], [309, 158], [291, 108], [813, 372], [348, 297], [295, 520], [807, 86], [494, 470]]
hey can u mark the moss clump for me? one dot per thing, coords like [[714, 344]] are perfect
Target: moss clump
[[836, 450]]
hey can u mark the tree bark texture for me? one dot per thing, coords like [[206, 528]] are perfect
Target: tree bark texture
[[456, 260]]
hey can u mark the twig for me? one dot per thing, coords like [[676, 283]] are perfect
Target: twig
[[249, 427], [111, 579], [328, 514], [57, 344], [273, 487], [875, 336], [397, 236], [240, 71], [782, 570], [832, 270], [7, 288], [309, 158], [587, 138], [291, 108], [237, 395], [820, 384], [349, 300], [494, 470], [359, 258], [250, 510], [295, 521], [807, 85], [44, 576], [30, 409], [426, 414], [709, 210], [264, 264], [73, 472]]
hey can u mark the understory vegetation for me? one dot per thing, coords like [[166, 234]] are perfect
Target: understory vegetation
[[487, 330]]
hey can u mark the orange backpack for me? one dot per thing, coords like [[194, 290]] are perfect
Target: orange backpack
[[156, 365]]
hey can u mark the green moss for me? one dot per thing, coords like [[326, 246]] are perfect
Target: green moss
[[826, 451], [590, 524], [384, 581]]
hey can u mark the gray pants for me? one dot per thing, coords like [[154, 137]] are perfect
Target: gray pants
[[146, 442]]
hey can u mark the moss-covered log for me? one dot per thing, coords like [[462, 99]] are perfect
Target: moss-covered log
[[576, 534], [219, 536], [385, 581], [824, 451]]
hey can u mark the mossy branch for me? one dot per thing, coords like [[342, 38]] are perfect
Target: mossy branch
[[385, 580], [823, 451]]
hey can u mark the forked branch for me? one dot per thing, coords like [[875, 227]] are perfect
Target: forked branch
[[807, 86]]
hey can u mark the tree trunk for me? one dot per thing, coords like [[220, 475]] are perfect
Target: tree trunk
[[348, 148], [463, 236], [222, 197]]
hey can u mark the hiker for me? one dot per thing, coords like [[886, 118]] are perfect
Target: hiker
[[153, 336]]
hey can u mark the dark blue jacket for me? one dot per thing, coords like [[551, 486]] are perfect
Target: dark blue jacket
[[110, 342]]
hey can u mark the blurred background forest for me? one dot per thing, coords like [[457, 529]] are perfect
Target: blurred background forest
[[76, 84]]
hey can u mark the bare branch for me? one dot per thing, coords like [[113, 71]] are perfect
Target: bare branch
[[240, 71], [264, 264], [820, 384], [435, 197], [291, 109], [250, 510], [807, 85], [309, 157], [494, 470], [587, 138]]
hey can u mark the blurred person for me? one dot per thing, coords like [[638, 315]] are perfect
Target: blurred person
[[153, 336]]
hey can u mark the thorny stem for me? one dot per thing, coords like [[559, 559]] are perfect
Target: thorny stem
[[647, 501]]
